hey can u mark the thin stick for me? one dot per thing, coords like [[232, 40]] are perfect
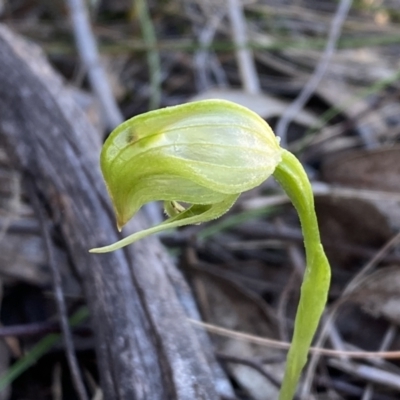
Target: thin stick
[[37, 328], [276, 344], [153, 57], [252, 364], [203, 59], [15, 205], [59, 296], [319, 72], [244, 56], [89, 55], [387, 341]]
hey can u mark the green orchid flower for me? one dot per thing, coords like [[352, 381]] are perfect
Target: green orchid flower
[[205, 154]]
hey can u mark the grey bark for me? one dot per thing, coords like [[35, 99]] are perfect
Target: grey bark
[[146, 348]]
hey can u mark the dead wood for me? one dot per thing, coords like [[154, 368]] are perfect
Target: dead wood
[[145, 347]]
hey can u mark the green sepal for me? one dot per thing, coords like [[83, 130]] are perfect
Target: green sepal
[[195, 214]]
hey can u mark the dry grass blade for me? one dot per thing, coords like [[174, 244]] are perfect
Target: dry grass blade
[[87, 47], [245, 59], [276, 344], [59, 296], [308, 90]]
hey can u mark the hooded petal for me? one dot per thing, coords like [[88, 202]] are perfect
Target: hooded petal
[[196, 153]]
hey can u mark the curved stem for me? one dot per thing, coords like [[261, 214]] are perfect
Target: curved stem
[[314, 290]]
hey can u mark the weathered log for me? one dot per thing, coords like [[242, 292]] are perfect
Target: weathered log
[[146, 348]]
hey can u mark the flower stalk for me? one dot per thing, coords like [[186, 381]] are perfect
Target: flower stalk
[[314, 289]]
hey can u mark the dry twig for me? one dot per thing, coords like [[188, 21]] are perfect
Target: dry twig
[[277, 344], [59, 295], [89, 55], [319, 72], [252, 364], [386, 342], [245, 59]]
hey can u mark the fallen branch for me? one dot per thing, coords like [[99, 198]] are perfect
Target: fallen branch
[[138, 301]]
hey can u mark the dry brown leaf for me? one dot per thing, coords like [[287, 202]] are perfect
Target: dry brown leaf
[[343, 221], [368, 120], [370, 169], [379, 294], [23, 259], [361, 66], [91, 107], [264, 105], [226, 304]]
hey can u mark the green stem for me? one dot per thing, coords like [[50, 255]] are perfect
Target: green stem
[[314, 290]]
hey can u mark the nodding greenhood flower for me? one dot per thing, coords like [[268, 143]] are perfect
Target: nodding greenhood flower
[[205, 154]]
